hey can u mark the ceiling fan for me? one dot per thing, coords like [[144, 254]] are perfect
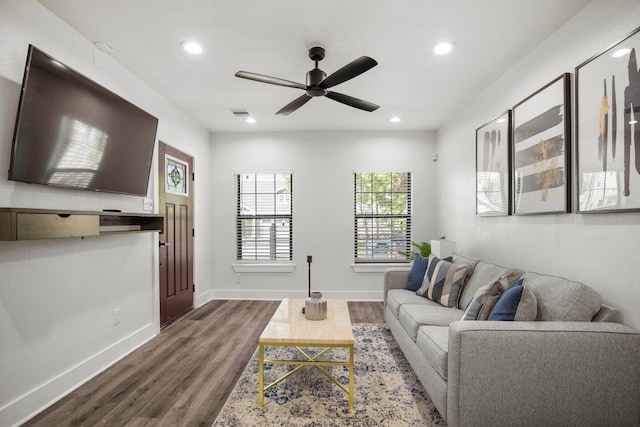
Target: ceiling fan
[[318, 82]]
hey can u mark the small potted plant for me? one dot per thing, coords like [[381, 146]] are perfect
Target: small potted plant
[[424, 249]]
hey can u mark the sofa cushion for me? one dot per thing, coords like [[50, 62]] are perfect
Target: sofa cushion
[[418, 268], [528, 307], [607, 314], [485, 299], [413, 316], [485, 273], [563, 300], [507, 305], [397, 297], [443, 281], [433, 342], [459, 259]]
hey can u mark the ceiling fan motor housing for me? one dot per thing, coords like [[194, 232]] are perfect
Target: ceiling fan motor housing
[[314, 77]]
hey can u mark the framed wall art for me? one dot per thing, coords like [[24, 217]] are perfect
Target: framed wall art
[[541, 145], [607, 129], [493, 183]]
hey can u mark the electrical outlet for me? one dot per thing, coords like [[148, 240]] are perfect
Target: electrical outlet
[[238, 277], [147, 204], [116, 316]]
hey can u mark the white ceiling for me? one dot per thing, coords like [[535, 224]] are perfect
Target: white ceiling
[[272, 38]]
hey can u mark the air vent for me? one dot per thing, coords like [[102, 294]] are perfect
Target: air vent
[[240, 112], [103, 46]]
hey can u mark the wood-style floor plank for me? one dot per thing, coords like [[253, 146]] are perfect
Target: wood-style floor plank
[[183, 376]]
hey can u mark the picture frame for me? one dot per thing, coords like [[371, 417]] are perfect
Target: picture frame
[[607, 135], [493, 167], [541, 148]]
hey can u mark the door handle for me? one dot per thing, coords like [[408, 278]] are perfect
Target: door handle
[[164, 243]]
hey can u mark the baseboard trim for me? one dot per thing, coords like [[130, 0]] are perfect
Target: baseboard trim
[[202, 299], [271, 295], [28, 405]]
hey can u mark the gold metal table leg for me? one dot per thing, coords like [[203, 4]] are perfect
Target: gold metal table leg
[[261, 375], [351, 365]]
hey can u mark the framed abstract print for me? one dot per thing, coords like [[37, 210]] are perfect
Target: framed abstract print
[[607, 129], [493, 142], [541, 145]]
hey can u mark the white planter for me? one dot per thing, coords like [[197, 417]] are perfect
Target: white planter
[[443, 248]]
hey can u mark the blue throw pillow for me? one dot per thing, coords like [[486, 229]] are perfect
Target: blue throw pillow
[[507, 305], [418, 269]]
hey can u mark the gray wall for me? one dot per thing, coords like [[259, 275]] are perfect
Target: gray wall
[[322, 164], [600, 250], [57, 296]]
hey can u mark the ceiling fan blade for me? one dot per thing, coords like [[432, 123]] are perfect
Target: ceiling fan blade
[[349, 71], [268, 79], [294, 105], [352, 102]]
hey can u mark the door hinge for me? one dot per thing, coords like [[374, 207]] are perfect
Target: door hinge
[[193, 288], [193, 232], [193, 176]]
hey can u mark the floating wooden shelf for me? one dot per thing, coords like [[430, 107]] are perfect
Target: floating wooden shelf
[[33, 224]]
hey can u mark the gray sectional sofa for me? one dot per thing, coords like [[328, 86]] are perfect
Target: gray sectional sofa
[[574, 365]]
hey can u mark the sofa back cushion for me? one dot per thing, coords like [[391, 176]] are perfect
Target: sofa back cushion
[[563, 300]]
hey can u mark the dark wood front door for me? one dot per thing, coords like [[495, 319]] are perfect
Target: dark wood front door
[[176, 243]]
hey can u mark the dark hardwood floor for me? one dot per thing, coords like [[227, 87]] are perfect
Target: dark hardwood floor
[[183, 376]]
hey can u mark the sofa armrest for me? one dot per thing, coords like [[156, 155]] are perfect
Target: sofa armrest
[[556, 373], [395, 278]]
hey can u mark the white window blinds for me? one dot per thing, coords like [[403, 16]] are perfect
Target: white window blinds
[[264, 217], [382, 216]]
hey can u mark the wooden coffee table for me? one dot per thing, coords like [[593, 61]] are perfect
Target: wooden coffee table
[[289, 328]]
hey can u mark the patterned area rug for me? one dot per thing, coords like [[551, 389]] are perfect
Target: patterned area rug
[[387, 392]]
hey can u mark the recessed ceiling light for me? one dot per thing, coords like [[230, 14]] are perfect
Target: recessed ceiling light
[[192, 47], [620, 52], [395, 119], [250, 120], [501, 120], [443, 48]]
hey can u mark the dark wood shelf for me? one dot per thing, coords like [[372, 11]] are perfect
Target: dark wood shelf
[[34, 224]]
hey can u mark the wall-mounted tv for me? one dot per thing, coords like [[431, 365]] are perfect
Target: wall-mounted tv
[[71, 132]]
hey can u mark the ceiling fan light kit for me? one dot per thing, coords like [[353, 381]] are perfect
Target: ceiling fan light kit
[[318, 83]]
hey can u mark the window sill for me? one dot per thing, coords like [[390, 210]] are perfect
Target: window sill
[[378, 267], [263, 268]]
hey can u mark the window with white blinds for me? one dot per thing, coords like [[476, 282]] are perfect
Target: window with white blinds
[[264, 217], [382, 216]]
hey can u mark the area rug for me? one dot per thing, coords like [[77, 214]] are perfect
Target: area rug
[[387, 392]]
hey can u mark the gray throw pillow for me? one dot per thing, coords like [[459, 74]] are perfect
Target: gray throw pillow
[[528, 306]]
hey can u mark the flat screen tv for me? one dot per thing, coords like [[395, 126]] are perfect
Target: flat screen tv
[[71, 132]]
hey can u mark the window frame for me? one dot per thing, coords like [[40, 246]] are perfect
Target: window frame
[[405, 242], [274, 257]]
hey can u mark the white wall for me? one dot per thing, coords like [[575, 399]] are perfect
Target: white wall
[[600, 250], [57, 296], [323, 164]]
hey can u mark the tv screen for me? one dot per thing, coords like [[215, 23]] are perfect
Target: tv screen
[[71, 132]]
